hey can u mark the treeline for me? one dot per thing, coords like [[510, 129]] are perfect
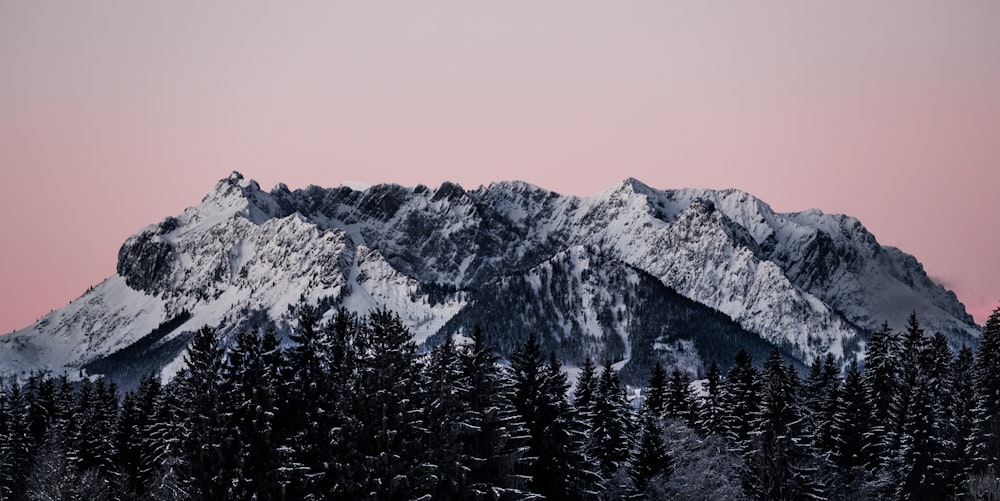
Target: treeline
[[351, 410]]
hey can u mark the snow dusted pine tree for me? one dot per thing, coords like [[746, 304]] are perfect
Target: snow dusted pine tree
[[740, 401], [610, 432], [493, 443], [850, 435], [710, 419], [987, 376], [778, 465]]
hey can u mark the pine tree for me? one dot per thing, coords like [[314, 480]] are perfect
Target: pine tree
[[821, 393], [387, 409], [583, 394], [15, 441], [961, 418], [711, 416], [920, 458], [777, 464], [651, 459], [135, 420], [494, 443], [446, 391], [740, 400], [850, 434], [249, 399], [610, 430], [654, 404], [881, 379], [987, 376], [198, 414], [681, 401]]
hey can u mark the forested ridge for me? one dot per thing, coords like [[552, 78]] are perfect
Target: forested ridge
[[351, 410]]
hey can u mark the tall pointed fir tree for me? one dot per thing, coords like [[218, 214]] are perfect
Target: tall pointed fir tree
[[610, 431], [681, 401], [740, 401], [920, 463], [821, 392], [15, 441], [583, 392], [250, 400], [881, 379], [388, 412], [850, 435], [778, 463], [198, 414], [494, 443], [987, 376], [554, 441], [135, 419], [445, 414], [961, 419], [711, 416], [651, 458]]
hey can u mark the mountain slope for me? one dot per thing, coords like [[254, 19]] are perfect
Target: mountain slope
[[448, 258]]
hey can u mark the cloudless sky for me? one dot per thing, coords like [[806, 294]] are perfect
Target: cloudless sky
[[115, 114]]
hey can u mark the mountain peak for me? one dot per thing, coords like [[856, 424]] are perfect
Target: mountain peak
[[809, 282]]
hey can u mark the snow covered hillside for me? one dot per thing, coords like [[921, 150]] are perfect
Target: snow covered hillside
[[592, 276]]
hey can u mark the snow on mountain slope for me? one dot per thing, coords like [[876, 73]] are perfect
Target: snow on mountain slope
[[808, 281]]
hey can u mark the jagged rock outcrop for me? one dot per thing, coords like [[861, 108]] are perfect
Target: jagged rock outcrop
[[627, 272]]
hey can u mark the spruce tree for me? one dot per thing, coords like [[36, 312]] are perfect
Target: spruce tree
[[711, 416], [388, 410], [961, 418], [777, 463], [610, 430], [494, 442], [198, 421], [740, 400], [987, 376], [850, 434], [881, 379], [654, 404], [15, 441], [583, 393], [681, 402]]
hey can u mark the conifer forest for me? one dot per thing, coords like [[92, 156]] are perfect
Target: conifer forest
[[350, 409]]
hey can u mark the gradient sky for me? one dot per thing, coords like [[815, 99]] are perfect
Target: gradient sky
[[115, 114]]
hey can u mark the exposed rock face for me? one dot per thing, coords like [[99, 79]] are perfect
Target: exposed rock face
[[632, 273]]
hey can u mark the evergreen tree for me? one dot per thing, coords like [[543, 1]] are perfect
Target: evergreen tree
[[987, 376], [821, 394], [654, 404], [740, 400], [651, 459], [198, 418], [446, 416], [554, 436], [681, 401], [881, 379], [777, 464], [389, 426], [135, 419], [961, 418], [16, 443], [610, 430], [711, 416], [583, 394], [494, 442], [920, 461], [850, 435], [249, 398]]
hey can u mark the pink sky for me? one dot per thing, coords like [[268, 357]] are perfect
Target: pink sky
[[115, 114]]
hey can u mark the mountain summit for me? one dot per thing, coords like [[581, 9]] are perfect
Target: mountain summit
[[632, 274]]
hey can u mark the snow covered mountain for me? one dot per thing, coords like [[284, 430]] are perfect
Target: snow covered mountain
[[630, 274]]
